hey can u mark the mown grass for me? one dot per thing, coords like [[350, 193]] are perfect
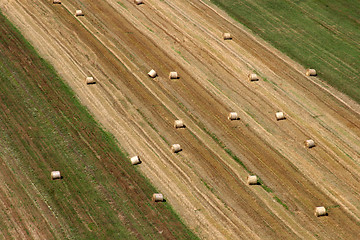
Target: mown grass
[[44, 127], [323, 34]]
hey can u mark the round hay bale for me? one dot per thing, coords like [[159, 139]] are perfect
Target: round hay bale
[[279, 116], [310, 72], [233, 116], [56, 1], [227, 36], [253, 77], [173, 75], [79, 13], [320, 211], [152, 73], [175, 148], [157, 197], [138, 2], [252, 180], [55, 175], [90, 80], [179, 124], [310, 143], [135, 160]]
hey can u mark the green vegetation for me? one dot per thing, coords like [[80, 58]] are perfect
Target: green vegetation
[[334, 206], [121, 4], [207, 186], [265, 187], [280, 202], [323, 34], [236, 159], [149, 29], [178, 52], [43, 128]]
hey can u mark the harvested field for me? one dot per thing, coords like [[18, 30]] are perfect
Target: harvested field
[[99, 194], [118, 42]]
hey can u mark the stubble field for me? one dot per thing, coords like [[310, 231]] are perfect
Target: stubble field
[[118, 42]]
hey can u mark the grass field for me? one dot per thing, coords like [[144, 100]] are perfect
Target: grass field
[[323, 34], [43, 127]]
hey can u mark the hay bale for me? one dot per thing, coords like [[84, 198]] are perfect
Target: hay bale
[[309, 143], [227, 36], [79, 13], [135, 160], [56, 1], [233, 116], [138, 2], [320, 211], [179, 124], [252, 180], [173, 75], [310, 72], [253, 77], [279, 116], [157, 197], [175, 148], [90, 80], [55, 175], [152, 73]]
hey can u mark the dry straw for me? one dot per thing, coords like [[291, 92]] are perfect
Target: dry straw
[[79, 13], [55, 175], [233, 116], [135, 160], [279, 116], [310, 72], [173, 75], [252, 180], [90, 80], [320, 211], [138, 2], [227, 36], [309, 143], [152, 73], [175, 148], [179, 124], [157, 197], [253, 77]]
